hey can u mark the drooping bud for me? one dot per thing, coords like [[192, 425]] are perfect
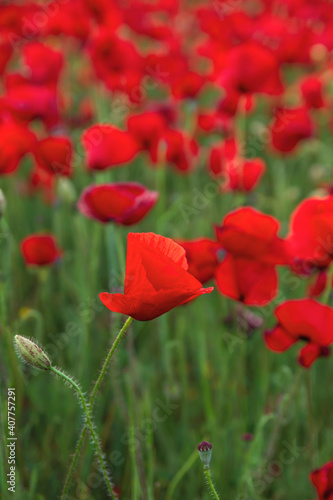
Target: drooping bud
[[31, 353], [205, 453], [2, 203]]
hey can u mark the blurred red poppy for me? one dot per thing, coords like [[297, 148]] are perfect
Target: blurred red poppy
[[302, 320], [54, 154], [117, 62], [72, 19], [108, 146], [290, 126], [250, 234], [147, 128], [15, 142], [310, 237], [44, 63], [251, 68], [249, 281], [123, 203], [40, 250], [312, 91], [27, 102], [202, 257], [237, 173], [156, 278], [187, 85], [322, 479], [247, 273], [180, 149]]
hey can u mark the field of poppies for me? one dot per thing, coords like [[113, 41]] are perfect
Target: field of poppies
[[166, 246]]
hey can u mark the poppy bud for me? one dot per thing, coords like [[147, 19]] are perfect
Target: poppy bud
[[2, 203], [66, 191], [31, 353], [205, 453]]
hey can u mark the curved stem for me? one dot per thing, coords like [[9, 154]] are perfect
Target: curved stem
[[91, 402], [108, 359], [210, 483], [180, 474], [90, 425]]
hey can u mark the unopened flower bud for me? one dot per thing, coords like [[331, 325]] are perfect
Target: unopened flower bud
[[205, 453], [2, 203], [66, 191], [31, 353]]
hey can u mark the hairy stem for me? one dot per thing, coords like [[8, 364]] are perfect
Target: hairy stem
[[89, 425], [211, 486], [91, 402]]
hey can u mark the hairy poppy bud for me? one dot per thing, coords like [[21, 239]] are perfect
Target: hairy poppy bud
[[31, 353], [205, 453]]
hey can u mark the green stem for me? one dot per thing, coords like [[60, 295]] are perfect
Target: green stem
[[210, 483], [90, 425], [328, 288], [180, 474], [135, 483], [311, 421], [91, 402], [108, 359]]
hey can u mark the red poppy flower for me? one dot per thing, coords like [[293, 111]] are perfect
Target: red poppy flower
[[247, 273], [290, 126], [238, 174], [187, 85], [250, 68], [40, 250], [107, 146], [302, 320], [202, 257], [156, 278], [17, 22], [291, 41], [117, 62], [312, 92], [250, 234], [229, 104], [124, 203], [68, 18], [54, 154], [211, 120], [322, 479], [105, 13], [15, 142], [147, 128], [249, 281], [181, 150], [310, 238], [28, 102], [44, 63]]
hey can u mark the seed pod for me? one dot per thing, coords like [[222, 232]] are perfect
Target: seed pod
[[205, 453], [31, 353]]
